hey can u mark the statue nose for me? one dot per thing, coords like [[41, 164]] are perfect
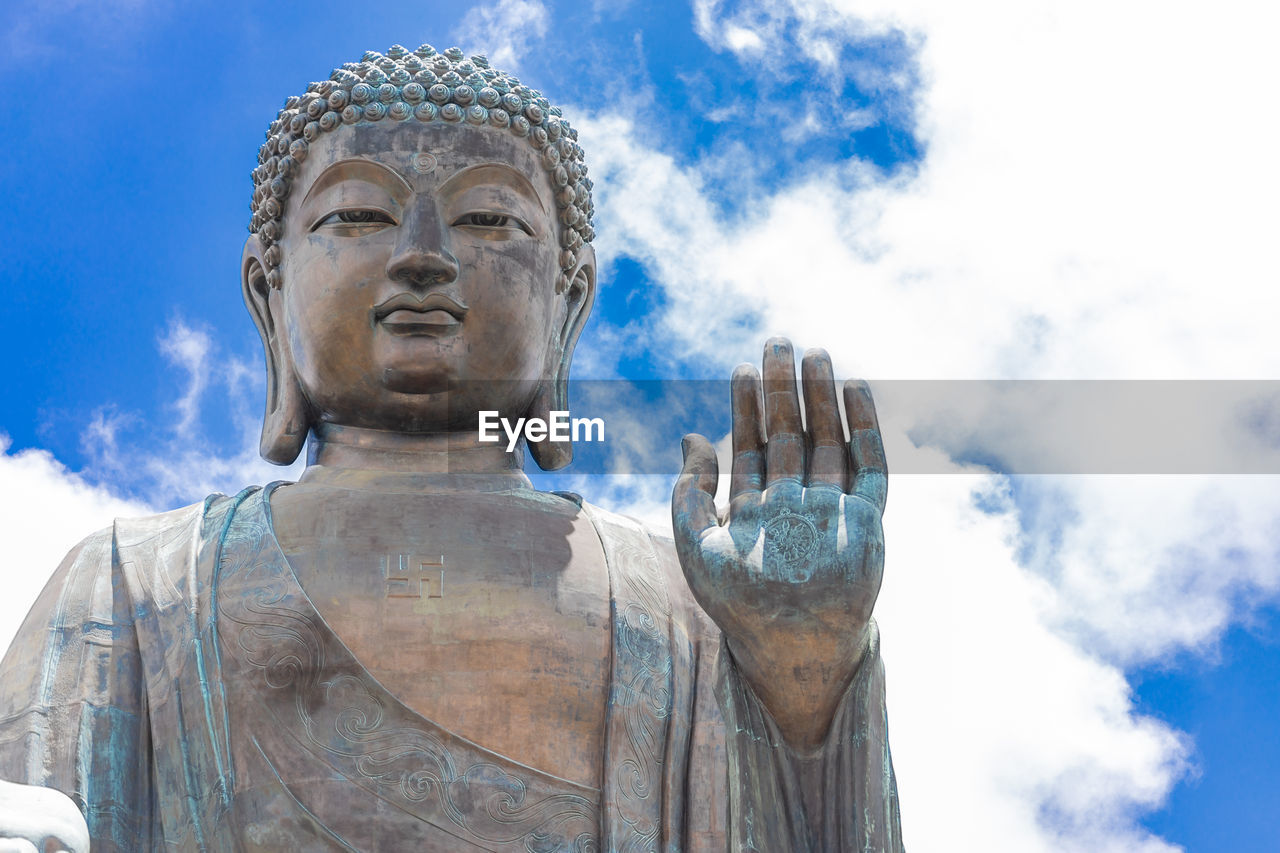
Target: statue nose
[[422, 258], [423, 266]]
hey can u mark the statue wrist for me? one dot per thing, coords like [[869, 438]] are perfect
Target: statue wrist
[[800, 690]]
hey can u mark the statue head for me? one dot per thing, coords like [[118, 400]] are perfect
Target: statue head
[[419, 251]]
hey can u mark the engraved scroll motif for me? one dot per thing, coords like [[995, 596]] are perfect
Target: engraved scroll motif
[[314, 688], [640, 702]]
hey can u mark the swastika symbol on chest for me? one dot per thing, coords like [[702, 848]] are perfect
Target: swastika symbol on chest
[[413, 576]]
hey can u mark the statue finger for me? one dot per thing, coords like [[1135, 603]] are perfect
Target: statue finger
[[784, 449], [866, 448], [693, 503], [17, 845], [828, 459], [748, 432]]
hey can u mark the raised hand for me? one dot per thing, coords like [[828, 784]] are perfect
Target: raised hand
[[792, 573]]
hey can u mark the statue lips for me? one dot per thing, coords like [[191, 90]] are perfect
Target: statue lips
[[435, 314]]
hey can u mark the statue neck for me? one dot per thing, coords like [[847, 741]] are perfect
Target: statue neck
[[378, 460]]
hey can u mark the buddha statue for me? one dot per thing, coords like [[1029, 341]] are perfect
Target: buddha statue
[[411, 648]]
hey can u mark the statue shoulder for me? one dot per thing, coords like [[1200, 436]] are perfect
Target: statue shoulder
[[130, 530], [82, 583], [163, 526], [93, 558], [170, 537], [617, 529], [611, 523]]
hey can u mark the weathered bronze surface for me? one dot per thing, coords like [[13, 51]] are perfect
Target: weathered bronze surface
[[412, 649]]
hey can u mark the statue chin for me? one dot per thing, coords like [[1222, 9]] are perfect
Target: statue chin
[[419, 379]]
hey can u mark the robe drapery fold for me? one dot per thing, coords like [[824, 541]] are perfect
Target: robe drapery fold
[[176, 681]]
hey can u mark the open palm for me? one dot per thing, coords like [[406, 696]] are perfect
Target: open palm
[[791, 574]]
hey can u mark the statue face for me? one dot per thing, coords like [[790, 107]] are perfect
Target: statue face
[[419, 264]]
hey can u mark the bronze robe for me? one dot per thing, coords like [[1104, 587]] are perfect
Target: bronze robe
[[175, 680]]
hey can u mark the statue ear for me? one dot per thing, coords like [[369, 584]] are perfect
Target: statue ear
[[554, 393], [287, 420]]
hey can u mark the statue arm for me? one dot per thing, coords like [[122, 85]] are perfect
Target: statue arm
[[841, 796], [72, 726], [790, 575], [749, 788]]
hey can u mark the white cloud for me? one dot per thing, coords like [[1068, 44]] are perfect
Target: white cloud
[[1076, 215], [1151, 566], [175, 464], [996, 720], [768, 35], [44, 511], [1006, 735], [188, 348], [504, 31], [1096, 201], [1080, 211], [45, 508], [742, 40], [1051, 257]]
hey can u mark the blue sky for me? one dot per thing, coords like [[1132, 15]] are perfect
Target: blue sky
[[1008, 190]]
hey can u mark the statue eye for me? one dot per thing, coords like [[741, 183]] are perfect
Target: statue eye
[[495, 221], [364, 217]]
